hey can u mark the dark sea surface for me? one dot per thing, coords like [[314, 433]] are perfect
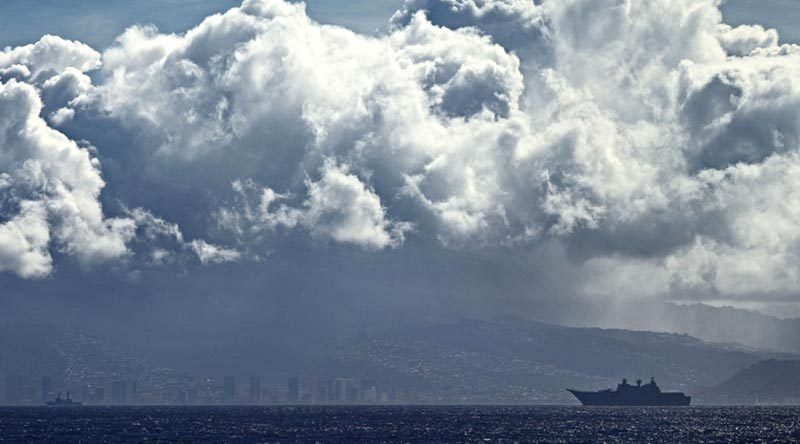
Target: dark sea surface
[[400, 424]]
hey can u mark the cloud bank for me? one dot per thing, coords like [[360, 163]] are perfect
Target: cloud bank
[[654, 143]]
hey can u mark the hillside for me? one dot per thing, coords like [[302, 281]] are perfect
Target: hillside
[[532, 362], [767, 382], [73, 360], [469, 361]]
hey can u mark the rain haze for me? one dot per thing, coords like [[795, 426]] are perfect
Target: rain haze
[[398, 191]]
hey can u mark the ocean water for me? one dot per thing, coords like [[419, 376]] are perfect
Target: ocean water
[[483, 424]]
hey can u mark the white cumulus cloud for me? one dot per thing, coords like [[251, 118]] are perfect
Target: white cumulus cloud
[[50, 192], [338, 207], [655, 141]]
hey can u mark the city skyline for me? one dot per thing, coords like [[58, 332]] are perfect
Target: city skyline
[[19, 390]]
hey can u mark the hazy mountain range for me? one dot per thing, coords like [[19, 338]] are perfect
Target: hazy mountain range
[[714, 324], [509, 360]]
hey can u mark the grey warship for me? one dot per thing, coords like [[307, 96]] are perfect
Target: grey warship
[[61, 402], [633, 395]]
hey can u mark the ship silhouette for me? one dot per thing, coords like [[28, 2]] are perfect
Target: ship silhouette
[[632, 395], [61, 402]]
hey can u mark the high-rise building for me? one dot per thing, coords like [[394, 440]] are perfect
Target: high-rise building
[[131, 397], [352, 395], [123, 392], [180, 397], [313, 391], [47, 388], [119, 393], [343, 390], [324, 391], [85, 397], [369, 391], [229, 390], [99, 395], [294, 389], [255, 390], [15, 388]]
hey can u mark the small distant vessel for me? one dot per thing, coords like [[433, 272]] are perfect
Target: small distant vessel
[[633, 395], [61, 402]]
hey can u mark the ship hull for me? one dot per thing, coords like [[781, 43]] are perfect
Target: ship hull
[[608, 398]]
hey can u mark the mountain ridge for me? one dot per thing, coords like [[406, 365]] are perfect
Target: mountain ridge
[[771, 381]]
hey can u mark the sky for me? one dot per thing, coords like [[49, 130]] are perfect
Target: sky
[[364, 160], [99, 22]]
